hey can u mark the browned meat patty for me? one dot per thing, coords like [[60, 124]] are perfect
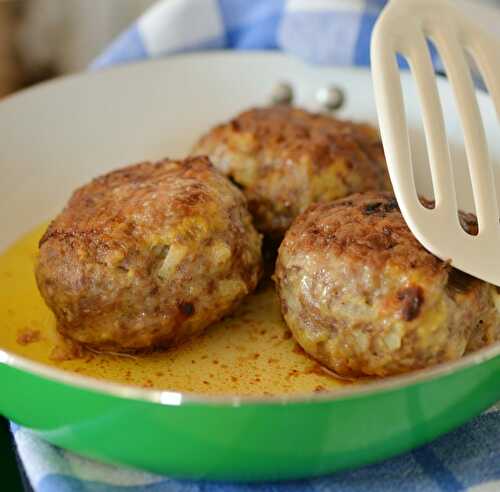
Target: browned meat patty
[[286, 158], [148, 255], [361, 295]]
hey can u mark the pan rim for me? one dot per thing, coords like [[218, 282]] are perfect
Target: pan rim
[[177, 398]]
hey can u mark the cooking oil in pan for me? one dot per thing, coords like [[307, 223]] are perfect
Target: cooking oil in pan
[[249, 353]]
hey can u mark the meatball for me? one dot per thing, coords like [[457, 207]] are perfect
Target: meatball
[[286, 158], [363, 297], [148, 255]]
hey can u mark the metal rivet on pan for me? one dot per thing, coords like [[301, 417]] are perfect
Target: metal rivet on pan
[[330, 98], [282, 93]]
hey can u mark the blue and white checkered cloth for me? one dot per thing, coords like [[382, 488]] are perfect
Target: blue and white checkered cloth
[[320, 31]]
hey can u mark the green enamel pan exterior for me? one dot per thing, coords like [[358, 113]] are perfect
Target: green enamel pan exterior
[[245, 440], [57, 136]]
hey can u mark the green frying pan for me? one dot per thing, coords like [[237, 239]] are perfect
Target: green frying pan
[[59, 135]]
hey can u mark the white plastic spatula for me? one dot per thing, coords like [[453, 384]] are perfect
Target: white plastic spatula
[[403, 28]]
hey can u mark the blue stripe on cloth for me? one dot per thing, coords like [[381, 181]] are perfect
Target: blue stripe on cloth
[[402, 63], [322, 37], [472, 452], [129, 46], [395, 475], [65, 483], [238, 13], [402, 473], [251, 37], [295, 486], [362, 48], [251, 25], [436, 470]]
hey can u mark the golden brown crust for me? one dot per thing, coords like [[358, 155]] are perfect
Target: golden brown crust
[[365, 227], [286, 158], [362, 295], [109, 202], [149, 254], [295, 132]]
